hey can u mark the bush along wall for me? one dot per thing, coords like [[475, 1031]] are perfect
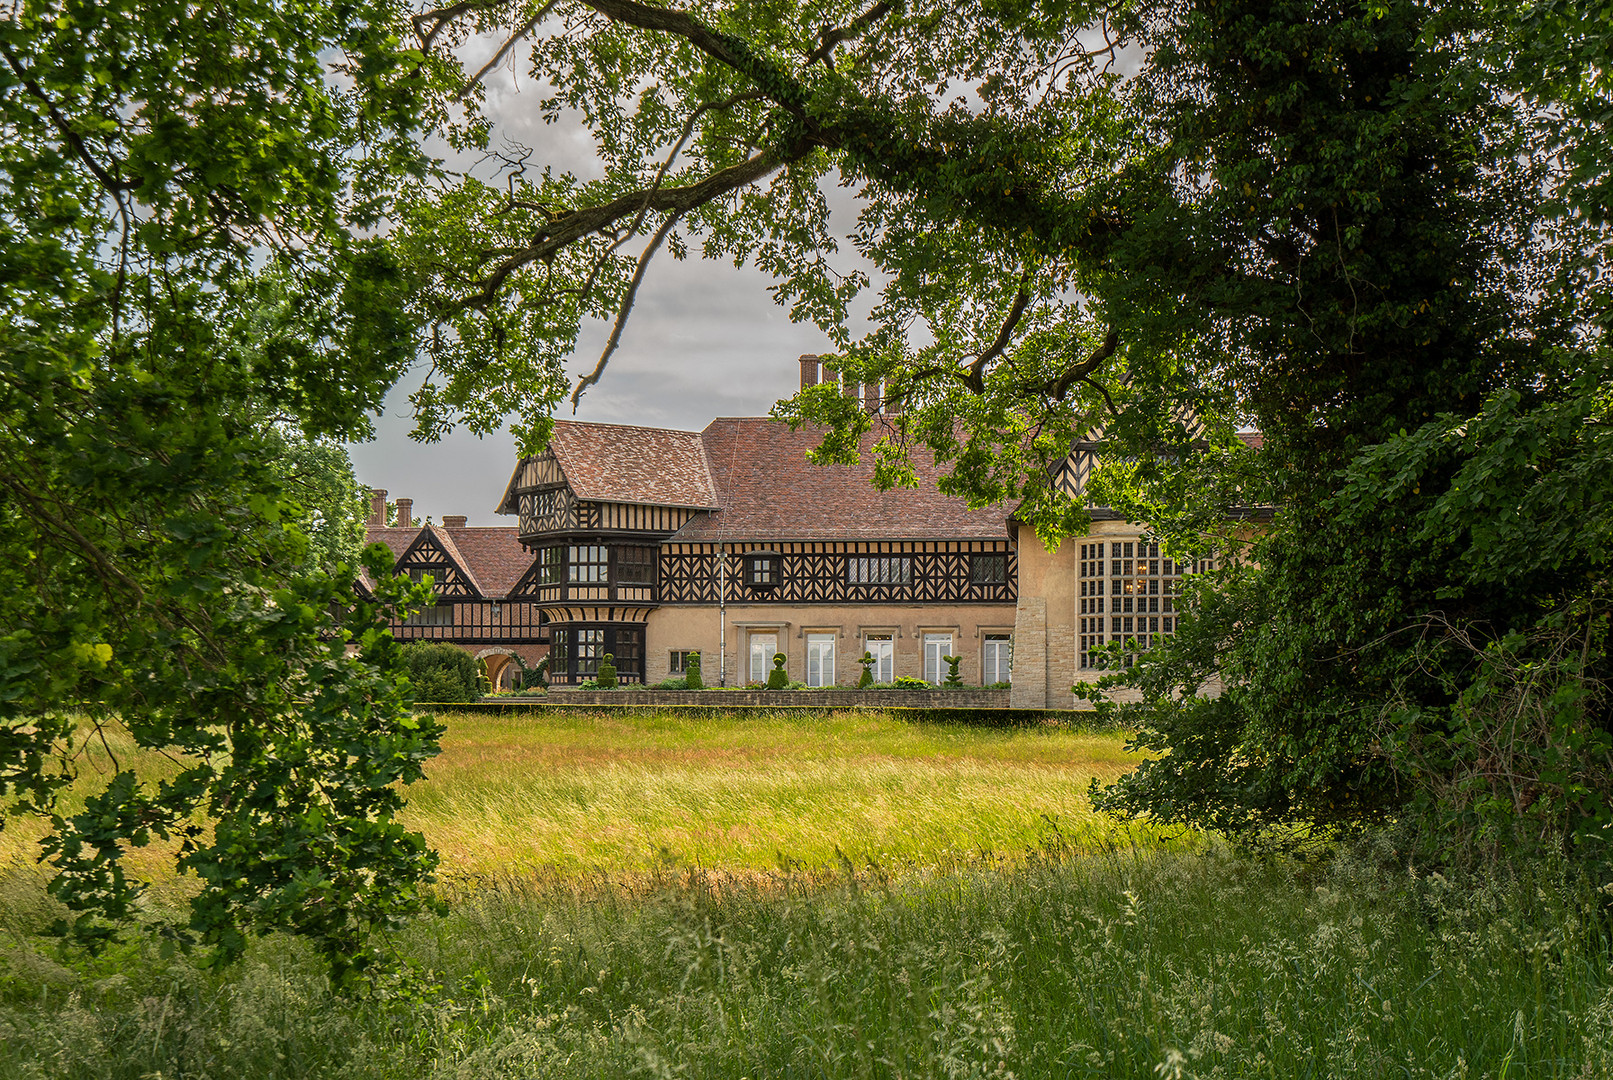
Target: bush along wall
[[442, 674]]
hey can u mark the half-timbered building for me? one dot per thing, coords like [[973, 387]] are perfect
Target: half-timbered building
[[481, 576], [655, 545], [1112, 585]]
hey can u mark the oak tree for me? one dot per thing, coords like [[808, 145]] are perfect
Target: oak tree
[[1356, 225]]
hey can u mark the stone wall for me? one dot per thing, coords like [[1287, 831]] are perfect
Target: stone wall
[[974, 697]]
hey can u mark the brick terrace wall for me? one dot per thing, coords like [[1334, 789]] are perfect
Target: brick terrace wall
[[970, 698]]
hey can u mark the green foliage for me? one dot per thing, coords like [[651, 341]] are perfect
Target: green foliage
[[442, 674], [953, 680], [911, 682], [330, 506], [692, 680], [606, 679], [778, 679], [866, 679], [1121, 965], [195, 311], [1363, 228]]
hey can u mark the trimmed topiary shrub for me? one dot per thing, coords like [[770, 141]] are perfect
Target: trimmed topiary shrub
[[442, 674], [777, 679], [867, 678], [607, 672], [953, 681], [691, 678]]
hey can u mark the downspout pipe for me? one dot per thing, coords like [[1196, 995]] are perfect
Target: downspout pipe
[[722, 615]]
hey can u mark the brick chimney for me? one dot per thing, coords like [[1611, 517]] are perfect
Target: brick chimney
[[377, 507], [405, 513], [809, 369], [454, 521]]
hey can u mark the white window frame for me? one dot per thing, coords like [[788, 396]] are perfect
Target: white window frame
[[996, 659], [820, 660], [763, 647], [935, 647], [883, 649]]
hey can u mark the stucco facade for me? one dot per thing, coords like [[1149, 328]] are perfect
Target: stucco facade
[[690, 628]]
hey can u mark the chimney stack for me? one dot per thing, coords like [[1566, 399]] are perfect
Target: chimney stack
[[809, 370], [454, 521], [405, 513], [377, 507]]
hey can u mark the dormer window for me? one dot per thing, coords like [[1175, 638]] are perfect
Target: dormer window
[[762, 571]]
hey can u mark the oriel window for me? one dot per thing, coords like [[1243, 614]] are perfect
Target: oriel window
[[635, 566], [590, 564]]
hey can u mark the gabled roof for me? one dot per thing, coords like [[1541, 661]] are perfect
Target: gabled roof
[[625, 464], [490, 558], [769, 491]]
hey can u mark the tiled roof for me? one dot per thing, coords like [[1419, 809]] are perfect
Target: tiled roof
[[769, 491], [491, 555], [620, 463]]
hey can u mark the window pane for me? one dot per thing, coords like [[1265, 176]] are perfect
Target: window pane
[[635, 566], [999, 658], [820, 660], [883, 651], [763, 647], [935, 647]]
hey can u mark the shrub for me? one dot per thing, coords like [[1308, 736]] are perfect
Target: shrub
[[607, 673], [777, 679], [954, 681], [908, 682], [867, 678], [441, 674], [692, 674]]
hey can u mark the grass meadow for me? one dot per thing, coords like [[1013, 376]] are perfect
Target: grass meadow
[[848, 896]]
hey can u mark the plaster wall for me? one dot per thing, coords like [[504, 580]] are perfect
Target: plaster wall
[[697, 628]]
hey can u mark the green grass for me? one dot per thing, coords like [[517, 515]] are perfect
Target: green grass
[[621, 795], [1104, 956]]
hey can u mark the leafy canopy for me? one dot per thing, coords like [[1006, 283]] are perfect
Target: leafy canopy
[[1358, 226], [193, 301]]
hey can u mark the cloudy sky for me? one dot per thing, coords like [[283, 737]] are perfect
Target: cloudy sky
[[704, 340]]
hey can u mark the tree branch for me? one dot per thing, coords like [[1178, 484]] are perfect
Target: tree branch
[[830, 37], [976, 378], [1080, 372], [503, 50], [627, 305], [35, 507], [108, 181], [570, 227]]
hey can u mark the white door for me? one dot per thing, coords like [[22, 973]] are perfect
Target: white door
[[763, 647], [820, 660], [884, 653], [935, 647]]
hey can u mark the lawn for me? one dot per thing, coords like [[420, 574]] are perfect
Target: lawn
[[662, 896], [623, 794]]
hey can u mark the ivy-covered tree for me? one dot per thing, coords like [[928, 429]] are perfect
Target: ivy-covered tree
[[192, 298], [1334, 221]]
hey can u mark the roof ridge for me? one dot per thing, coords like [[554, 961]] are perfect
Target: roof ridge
[[634, 427], [451, 549]]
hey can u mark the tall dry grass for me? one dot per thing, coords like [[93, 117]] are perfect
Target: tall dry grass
[[594, 793]]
